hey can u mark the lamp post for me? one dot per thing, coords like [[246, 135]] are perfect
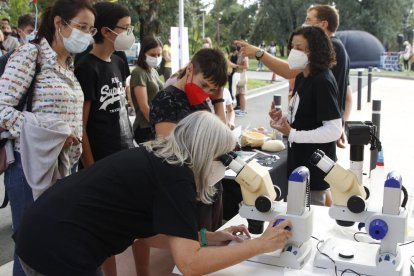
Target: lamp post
[[181, 32]]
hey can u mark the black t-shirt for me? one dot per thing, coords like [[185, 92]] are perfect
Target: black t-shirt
[[341, 71], [172, 105], [120, 54], [98, 212], [317, 102], [103, 84]]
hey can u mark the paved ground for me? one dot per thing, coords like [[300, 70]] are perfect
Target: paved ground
[[397, 98]]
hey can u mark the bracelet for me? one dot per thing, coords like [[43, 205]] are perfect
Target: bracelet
[[216, 101], [203, 237]]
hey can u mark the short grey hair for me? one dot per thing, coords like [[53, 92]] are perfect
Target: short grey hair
[[196, 141]]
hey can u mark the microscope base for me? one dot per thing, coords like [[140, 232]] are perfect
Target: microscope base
[[291, 256], [365, 260]]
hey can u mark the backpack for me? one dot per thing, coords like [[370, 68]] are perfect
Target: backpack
[[26, 100]]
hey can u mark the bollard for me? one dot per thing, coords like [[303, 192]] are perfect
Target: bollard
[[369, 83], [359, 90], [376, 120]]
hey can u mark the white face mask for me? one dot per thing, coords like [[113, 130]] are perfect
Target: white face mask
[[30, 37], [77, 42], [153, 62], [123, 41], [297, 59], [217, 173]]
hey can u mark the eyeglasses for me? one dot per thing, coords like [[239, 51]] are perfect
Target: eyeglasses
[[85, 28], [128, 29]]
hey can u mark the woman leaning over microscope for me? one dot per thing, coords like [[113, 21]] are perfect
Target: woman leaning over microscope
[[76, 231], [313, 120]]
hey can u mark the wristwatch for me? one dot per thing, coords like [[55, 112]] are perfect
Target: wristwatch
[[259, 54], [216, 101]]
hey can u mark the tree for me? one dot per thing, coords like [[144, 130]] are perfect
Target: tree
[[229, 20], [276, 19], [14, 8]]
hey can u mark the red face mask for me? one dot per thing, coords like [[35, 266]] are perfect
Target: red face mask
[[195, 94]]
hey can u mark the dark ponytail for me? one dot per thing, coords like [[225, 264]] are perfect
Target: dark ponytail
[[66, 9]]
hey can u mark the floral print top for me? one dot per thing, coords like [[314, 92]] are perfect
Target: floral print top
[[57, 92]]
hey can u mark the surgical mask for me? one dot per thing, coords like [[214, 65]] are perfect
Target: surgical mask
[[30, 37], [297, 59], [123, 41], [77, 42], [195, 94], [216, 173], [153, 62]]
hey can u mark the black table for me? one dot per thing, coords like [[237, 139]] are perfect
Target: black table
[[231, 190]]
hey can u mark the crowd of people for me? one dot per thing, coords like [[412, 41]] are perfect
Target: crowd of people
[[157, 182]]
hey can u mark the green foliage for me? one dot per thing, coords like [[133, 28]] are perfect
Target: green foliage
[[276, 19], [14, 9], [269, 20]]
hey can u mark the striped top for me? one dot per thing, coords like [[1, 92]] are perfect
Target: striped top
[[57, 92]]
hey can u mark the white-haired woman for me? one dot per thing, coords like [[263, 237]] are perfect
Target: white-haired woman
[[99, 211]]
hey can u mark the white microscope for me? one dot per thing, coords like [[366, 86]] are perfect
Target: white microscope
[[259, 205], [349, 198]]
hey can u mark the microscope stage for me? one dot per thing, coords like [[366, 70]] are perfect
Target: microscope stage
[[361, 257]]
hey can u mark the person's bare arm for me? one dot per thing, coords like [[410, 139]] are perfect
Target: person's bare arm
[[275, 64], [231, 64], [219, 111], [142, 99], [191, 259], [342, 141], [348, 103], [230, 116], [129, 98], [218, 107], [87, 156], [166, 55]]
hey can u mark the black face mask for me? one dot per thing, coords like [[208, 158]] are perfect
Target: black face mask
[[238, 48], [7, 33]]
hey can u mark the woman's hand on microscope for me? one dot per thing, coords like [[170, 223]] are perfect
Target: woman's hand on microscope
[[275, 237], [236, 233]]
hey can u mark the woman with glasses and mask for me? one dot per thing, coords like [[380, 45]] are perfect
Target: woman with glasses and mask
[[65, 28], [145, 84], [313, 120], [106, 125]]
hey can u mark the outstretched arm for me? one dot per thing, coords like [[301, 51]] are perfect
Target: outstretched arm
[[275, 64]]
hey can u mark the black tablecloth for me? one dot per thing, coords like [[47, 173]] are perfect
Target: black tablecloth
[[231, 190]]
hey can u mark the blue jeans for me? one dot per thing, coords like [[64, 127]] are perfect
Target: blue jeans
[[20, 197]]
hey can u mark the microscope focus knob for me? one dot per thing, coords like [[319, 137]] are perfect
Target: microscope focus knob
[[378, 229], [356, 204], [263, 204]]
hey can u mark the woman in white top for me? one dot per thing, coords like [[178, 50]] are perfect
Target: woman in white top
[[65, 28]]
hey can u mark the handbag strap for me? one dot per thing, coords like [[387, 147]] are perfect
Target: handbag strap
[[27, 98]]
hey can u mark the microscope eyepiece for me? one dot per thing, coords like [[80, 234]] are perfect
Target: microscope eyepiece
[[226, 159], [316, 157]]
